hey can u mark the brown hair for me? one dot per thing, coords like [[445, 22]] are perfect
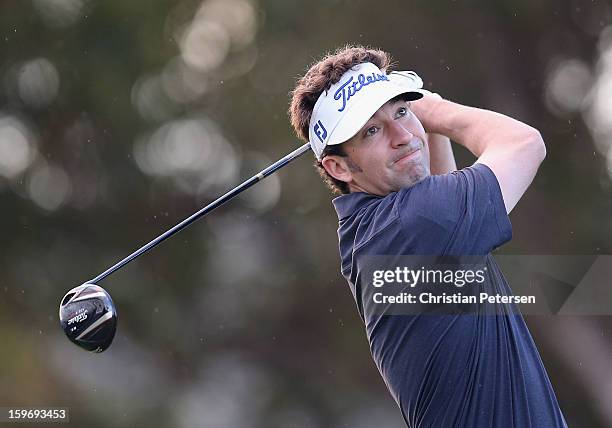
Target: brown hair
[[319, 77]]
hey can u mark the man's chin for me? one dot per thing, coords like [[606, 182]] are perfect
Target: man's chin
[[415, 175]]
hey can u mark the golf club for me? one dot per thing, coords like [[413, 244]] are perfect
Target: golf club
[[87, 313]]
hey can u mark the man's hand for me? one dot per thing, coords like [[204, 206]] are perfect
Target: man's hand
[[425, 108]]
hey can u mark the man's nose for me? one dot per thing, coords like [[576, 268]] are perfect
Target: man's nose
[[400, 135]]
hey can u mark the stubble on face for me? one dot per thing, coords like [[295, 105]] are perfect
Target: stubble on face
[[391, 175], [411, 172], [351, 165], [415, 174], [408, 172], [381, 166]]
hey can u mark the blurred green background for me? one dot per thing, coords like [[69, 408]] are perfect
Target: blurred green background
[[120, 118]]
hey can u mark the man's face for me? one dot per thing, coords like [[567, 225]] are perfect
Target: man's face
[[389, 152]]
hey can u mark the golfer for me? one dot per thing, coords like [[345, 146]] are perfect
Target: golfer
[[383, 144]]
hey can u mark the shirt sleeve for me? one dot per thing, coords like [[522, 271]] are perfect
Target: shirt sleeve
[[461, 212]]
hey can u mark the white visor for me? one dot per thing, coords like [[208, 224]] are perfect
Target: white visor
[[342, 111]]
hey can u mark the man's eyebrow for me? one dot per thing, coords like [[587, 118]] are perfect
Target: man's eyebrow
[[394, 103]]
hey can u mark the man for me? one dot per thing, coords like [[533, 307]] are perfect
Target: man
[[378, 139]]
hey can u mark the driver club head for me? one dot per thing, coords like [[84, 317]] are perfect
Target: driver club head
[[88, 317]]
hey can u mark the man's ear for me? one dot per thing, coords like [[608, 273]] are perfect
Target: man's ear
[[337, 167]]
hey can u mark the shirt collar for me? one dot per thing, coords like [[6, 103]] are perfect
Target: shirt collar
[[346, 205]]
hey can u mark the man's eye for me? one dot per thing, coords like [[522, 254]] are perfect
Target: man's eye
[[371, 131], [402, 111]]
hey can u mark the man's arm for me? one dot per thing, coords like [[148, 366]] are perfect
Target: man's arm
[[441, 157], [512, 149]]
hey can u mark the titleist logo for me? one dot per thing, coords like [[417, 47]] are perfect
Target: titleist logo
[[347, 90]]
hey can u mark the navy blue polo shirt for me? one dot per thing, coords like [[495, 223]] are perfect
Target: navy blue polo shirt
[[447, 370]]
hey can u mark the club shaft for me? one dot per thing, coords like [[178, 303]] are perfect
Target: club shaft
[[208, 208]]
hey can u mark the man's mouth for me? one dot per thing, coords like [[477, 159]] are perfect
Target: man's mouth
[[409, 152]]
